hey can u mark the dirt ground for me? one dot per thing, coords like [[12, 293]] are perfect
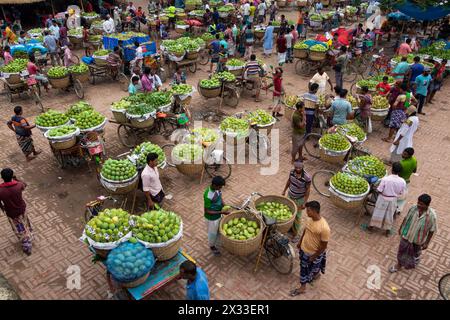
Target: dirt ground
[[56, 200]]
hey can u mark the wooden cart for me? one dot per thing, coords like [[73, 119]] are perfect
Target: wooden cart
[[104, 71]]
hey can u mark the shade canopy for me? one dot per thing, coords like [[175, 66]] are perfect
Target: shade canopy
[[423, 14]]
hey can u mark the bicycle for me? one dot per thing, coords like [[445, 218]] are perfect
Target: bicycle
[[28, 84], [380, 64], [279, 251], [93, 208]]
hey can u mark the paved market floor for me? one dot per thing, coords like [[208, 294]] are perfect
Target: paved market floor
[[56, 200]]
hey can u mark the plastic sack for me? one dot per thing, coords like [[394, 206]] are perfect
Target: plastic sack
[[129, 262], [87, 60]]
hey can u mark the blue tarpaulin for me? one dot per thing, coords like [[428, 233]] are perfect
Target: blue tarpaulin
[[129, 52], [423, 14], [28, 48], [399, 16], [110, 43]]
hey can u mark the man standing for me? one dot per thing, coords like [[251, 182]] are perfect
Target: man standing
[[197, 283], [310, 98], [213, 206], [405, 48], [299, 184], [341, 67], [54, 29], [246, 12], [151, 185], [252, 72], [416, 232], [415, 70], [404, 137], [341, 108], [409, 166], [312, 246], [52, 46], [281, 48], [298, 131], [421, 84], [390, 189], [108, 25], [321, 78], [401, 70], [215, 52], [262, 12], [12, 203]]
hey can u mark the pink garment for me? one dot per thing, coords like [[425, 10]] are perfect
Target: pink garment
[[68, 58], [392, 186], [8, 57], [147, 83], [404, 49]]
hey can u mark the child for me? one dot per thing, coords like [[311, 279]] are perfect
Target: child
[[277, 92], [383, 88], [132, 88], [365, 107]]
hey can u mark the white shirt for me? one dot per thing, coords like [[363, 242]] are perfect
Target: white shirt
[[131, 8], [139, 53], [262, 8], [321, 80], [150, 180], [246, 9], [108, 26], [407, 130], [55, 31], [156, 81], [288, 38], [377, 22], [392, 186]]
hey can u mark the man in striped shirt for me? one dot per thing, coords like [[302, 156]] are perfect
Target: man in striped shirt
[[416, 232], [253, 73]]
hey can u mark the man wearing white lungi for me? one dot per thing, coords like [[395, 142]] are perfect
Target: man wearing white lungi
[[390, 189], [213, 205]]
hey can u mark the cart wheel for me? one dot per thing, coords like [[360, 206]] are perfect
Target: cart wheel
[[311, 144], [91, 78], [8, 93], [231, 98], [127, 136], [204, 58], [302, 68], [321, 182], [222, 168], [124, 81], [78, 87], [167, 149], [192, 68]]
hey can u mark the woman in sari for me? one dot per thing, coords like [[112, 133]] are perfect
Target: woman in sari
[[22, 129], [268, 40]]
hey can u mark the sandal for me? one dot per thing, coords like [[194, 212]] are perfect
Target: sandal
[[296, 292], [215, 251], [393, 269]]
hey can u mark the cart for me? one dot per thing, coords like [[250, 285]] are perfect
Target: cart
[[163, 273], [104, 71], [34, 91], [308, 66], [190, 65], [229, 93], [66, 83]]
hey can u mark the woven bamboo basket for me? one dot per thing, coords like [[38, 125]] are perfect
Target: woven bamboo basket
[[167, 253], [119, 116], [237, 72], [300, 53], [259, 34], [14, 78], [239, 247], [339, 158], [142, 124], [191, 55], [61, 145], [210, 92], [123, 189], [190, 169], [82, 77], [317, 56], [285, 226], [75, 40], [102, 253], [281, 3], [356, 202], [180, 30], [181, 16], [60, 83], [325, 2], [100, 61], [302, 3], [134, 283]]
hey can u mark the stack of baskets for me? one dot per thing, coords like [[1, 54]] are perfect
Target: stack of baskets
[[284, 226], [236, 70], [241, 247]]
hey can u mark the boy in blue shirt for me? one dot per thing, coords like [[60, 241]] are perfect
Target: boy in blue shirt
[[421, 84], [197, 283], [132, 88]]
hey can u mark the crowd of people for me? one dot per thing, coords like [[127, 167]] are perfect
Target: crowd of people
[[415, 87]]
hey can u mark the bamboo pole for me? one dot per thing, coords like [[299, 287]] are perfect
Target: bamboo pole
[[82, 7], [3, 11], [53, 8]]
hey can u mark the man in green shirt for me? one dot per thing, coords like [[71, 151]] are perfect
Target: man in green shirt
[[213, 205], [409, 166], [298, 131]]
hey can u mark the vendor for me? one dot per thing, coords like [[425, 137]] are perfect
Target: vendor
[[179, 76], [22, 39], [114, 61], [383, 87], [151, 184], [197, 284], [213, 206]]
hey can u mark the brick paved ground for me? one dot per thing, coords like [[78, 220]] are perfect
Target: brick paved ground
[[56, 200]]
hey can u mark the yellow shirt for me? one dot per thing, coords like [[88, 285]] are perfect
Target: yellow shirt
[[10, 35], [315, 232], [252, 10]]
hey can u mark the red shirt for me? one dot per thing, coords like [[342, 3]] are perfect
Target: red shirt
[[383, 88], [11, 198], [281, 45], [31, 68], [277, 86]]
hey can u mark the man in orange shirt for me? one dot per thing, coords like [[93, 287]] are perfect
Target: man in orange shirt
[[405, 48], [300, 22]]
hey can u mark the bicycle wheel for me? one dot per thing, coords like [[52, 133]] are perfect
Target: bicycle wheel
[[350, 74], [302, 68], [127, 136], [444, 286], [321, 182], [222, 168], [192, 67], [231, 98], [311, 145], [8, 92], [204, 58], [167, 149], [78, 87], [124, 81], [280, 256]]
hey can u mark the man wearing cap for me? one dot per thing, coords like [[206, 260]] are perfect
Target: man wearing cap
[[421, 85], [404, 136]]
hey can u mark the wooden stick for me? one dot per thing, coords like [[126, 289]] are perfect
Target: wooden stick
[[266, 231]]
